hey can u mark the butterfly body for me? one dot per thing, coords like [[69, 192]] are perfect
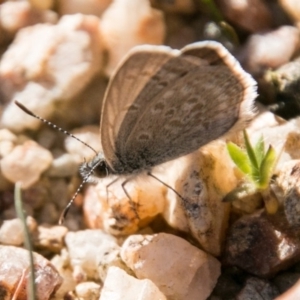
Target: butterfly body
[[98, 168]]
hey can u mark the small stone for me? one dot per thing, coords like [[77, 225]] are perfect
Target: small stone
[[115, 212], [62, 264], [262, 244], [15, 15], [6, 135], [92, 208], [292, 207], [256, 288], [14, 269], [70, 53], [283, 136], [12, 232], [7, 142], [26, 163], [179, 270], [264, 119], [288, 191], [87, 7], [251, 15], [202, 178], [6, 147], [107, 259], [88, 290], [87, 249], [31, 224], [63, 166], [50, 238], [292, 8], [256, 56], [292, 142], [119, 285], [144, 26], [284, 82]]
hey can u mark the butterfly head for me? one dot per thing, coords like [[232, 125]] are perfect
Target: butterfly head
[[97, 167]]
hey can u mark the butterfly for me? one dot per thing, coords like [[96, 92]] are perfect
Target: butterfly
[[163, 103]]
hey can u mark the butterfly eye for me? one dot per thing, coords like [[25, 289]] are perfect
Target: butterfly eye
[[101, 170]]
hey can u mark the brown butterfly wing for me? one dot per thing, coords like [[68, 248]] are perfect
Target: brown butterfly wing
[[182, 103], [130, 78]]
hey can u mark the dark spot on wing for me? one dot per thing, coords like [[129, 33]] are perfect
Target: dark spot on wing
[[170, 113], [175, 123], [163, 84], [198, 107], [192, 100], [144, 137], [159, 106]]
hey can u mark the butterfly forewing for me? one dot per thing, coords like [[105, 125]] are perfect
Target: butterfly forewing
[[125, 85]]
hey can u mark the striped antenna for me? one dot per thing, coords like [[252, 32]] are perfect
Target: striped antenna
[[86, 178], [27, 111]]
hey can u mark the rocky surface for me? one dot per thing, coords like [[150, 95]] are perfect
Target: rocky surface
[[56, 59]]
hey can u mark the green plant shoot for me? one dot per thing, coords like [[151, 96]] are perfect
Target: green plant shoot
[[253, 161]]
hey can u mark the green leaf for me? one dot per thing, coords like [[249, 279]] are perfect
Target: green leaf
[[250, 150], [259, 150], [240, 158], [255, 175], [266, 168]]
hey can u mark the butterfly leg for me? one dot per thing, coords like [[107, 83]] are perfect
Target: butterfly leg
[[168, 186], [131, 202], [107, 187]]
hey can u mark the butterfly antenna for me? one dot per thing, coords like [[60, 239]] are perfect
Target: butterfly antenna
[[84, 181], [27, 111], [86, 178]]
